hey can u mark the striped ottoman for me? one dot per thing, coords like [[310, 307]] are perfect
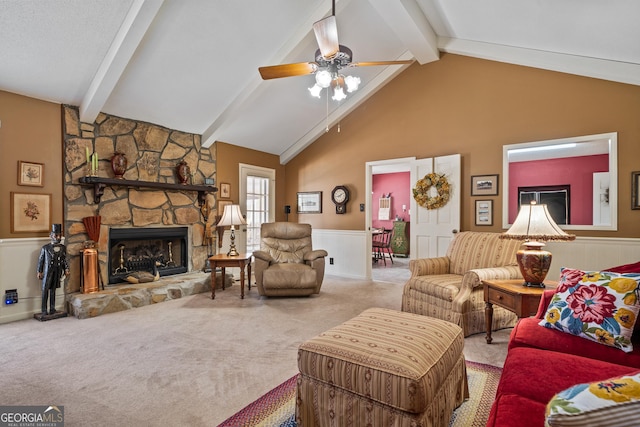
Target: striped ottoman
[[383, 367]]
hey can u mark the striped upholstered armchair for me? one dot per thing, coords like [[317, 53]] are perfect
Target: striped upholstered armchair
[[450, 287]]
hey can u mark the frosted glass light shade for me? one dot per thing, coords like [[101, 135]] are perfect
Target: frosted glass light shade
[[323, 78]]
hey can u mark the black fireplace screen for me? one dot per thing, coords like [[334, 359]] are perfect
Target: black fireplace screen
[[144, 249]]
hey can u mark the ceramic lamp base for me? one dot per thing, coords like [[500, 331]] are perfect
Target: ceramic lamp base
[[534, 263]]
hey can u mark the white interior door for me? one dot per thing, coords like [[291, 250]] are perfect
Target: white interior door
[[431, 230]]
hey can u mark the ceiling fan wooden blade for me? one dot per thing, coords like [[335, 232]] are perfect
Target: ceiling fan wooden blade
[[326, 31], [371, 63], [287, 70]]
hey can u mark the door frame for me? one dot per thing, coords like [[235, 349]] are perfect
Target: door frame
[[243, 171], [402, 164]]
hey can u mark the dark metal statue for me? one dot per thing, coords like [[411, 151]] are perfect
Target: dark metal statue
[[52, 264]]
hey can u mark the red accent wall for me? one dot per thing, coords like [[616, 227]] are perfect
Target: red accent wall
[[398, 184], [569, 170]]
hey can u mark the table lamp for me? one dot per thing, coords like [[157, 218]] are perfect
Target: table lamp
[[535, 225], [232, 216]]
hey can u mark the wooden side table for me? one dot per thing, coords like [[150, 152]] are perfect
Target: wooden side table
[[223, 261], [513, 296]]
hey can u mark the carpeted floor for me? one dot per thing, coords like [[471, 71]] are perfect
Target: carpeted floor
[[277, 407], [191, 361]]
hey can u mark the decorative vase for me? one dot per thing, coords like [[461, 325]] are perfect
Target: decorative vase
[[184, 172], [119, 164]]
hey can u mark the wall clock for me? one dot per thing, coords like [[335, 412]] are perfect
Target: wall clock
[[340, 196]]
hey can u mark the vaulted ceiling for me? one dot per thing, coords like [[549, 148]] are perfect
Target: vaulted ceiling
[[192, 65]]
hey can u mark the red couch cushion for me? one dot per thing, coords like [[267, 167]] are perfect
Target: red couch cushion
[[510, 410], [627, 268], [528, 333], [538, 375]]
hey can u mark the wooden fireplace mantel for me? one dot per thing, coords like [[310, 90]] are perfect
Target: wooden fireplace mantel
[[100, 183]]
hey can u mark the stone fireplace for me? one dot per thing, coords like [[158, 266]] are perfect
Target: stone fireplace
[[152, 154], [147, 249]]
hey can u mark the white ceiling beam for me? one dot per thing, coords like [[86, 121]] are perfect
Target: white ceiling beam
[[133, 28], [252, 89], [623, 72], [351, 103], [407, 20]]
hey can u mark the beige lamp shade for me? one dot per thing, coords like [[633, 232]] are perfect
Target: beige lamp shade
[[232, 216], [535, 225], [534, 222]]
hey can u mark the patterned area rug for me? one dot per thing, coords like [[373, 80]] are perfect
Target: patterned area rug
[[277, 407]]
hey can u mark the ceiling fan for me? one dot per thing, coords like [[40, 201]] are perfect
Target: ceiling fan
[[330, 58]]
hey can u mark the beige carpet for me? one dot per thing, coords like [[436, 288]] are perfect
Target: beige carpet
[[192, 361]]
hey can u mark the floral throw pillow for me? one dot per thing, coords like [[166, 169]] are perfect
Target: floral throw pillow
[[611, 402], [599, 306]]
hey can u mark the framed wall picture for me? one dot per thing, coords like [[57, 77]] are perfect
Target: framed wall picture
[[635, 187], [30, 213], [484, 185], [225, 190], [310, 202], [30, 173], [484, 212]]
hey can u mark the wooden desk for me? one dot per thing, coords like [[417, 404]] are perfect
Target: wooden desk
[[513, 296], [223, 261]]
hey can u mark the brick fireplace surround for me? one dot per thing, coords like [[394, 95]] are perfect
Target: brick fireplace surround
[[152, 153]]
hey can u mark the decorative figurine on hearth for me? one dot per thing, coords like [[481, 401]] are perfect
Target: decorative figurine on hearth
[[52, 264]]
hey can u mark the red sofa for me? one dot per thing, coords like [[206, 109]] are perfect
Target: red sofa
[[542, 362]]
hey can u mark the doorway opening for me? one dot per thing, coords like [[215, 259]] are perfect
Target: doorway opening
[[395, 191]]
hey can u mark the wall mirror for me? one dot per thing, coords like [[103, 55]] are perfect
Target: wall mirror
[[586, 166]]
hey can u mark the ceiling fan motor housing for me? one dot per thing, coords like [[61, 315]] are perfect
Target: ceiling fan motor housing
[[342, 58]]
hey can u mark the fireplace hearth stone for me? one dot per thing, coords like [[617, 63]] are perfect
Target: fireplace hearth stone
[[125, 297]]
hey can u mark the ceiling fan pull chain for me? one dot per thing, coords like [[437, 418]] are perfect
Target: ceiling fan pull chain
[[326, 129]]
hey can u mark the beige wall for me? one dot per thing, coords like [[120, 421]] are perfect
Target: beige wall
[[31, 131], [230, 156], [472, 107]]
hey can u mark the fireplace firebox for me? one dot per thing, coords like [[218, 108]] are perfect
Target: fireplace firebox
[[144, 249]]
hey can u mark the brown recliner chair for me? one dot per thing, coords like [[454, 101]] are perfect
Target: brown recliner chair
[[286, 264]]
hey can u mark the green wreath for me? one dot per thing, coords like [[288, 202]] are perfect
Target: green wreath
[[421, 191]]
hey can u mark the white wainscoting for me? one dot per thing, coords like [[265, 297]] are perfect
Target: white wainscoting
[[347, 248], [18, 265], [19, 258], [592, 253]]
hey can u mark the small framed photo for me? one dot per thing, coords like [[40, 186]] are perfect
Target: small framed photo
[[484, 212], [30, 173], [225, 190], [310, 202], [635, 187], [484, 185], [30, 213]]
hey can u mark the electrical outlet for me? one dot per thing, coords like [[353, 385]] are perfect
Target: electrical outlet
[[11, 296], [331, 261]]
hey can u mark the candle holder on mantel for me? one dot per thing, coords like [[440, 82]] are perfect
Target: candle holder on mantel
[[92, 164]]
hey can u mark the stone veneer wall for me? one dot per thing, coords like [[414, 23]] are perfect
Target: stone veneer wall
[[152, 152]]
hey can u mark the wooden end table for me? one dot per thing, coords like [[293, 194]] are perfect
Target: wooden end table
[[223, 261], [513, 296]]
